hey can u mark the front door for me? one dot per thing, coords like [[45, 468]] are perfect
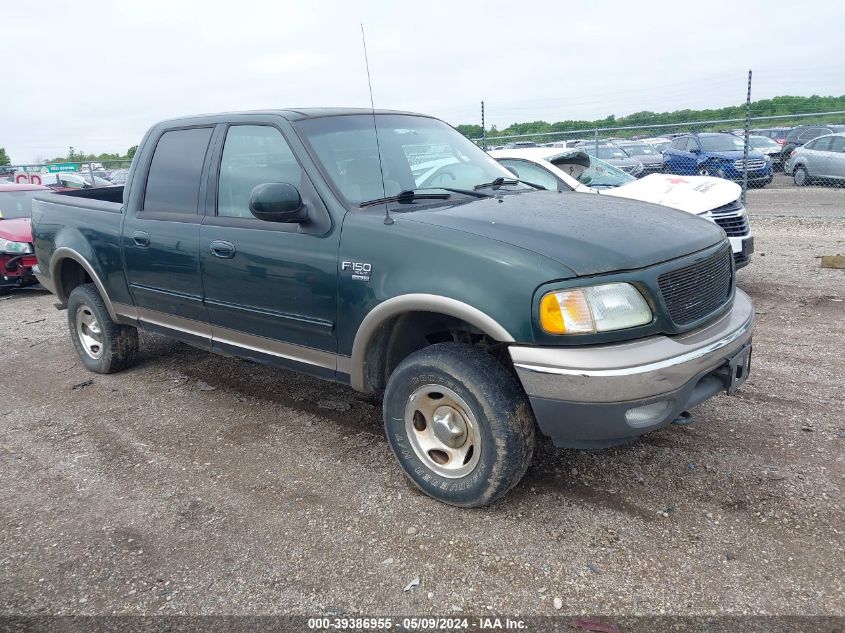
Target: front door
[[161, 240], [836, 157], [270, 288]]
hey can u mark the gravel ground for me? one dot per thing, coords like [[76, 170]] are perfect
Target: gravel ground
[[197, 484]]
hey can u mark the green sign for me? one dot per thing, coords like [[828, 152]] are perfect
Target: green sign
[[57, 167]]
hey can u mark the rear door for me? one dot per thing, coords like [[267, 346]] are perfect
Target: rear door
[[687, 160], [674, 155], [270, 288], [161, 239]]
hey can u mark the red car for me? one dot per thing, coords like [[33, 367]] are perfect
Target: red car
[[16, 252]]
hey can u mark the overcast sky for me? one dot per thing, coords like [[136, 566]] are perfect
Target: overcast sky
[[95, 75]]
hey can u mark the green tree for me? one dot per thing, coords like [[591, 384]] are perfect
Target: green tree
[[130, 153], [783, 105], [4, 157]]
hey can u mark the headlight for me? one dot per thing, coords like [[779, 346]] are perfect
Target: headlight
[[593, 309], [14, 248]]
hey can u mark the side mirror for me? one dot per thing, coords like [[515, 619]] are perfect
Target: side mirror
[[695, 150], [277, 202], [512, 170]]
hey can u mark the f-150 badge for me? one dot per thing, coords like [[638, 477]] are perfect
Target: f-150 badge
[[360, 270]]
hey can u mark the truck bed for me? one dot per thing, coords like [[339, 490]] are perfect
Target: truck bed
[[86, 224], [100, 198]]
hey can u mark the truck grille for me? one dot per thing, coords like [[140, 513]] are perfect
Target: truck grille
[[734, 226], [692, 292], [753, 164]]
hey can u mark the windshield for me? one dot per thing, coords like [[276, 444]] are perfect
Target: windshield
[[606, 152], [17, 204], [417, 152], [641, 149], [721, 143], [762, 142], [589, 170]]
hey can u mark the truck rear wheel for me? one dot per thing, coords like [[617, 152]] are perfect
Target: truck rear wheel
[[103, 346], [459, 424]]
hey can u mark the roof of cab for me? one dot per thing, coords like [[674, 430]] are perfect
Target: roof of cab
[[291, 114]]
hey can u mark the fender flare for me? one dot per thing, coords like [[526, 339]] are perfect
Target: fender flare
[[64, 252], [416, 303]]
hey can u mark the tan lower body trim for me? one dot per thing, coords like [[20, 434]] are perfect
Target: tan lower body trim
[[280, 349]]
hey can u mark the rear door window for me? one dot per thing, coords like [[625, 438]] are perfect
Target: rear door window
[[822, 144], [532, 173], [173, 182]]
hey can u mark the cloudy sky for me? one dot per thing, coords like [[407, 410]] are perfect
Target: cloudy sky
[[95, 75]]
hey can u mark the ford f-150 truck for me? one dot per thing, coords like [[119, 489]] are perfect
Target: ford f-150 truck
[[481, 307]]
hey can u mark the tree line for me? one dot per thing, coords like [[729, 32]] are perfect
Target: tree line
[[784, 105], [77, 156]]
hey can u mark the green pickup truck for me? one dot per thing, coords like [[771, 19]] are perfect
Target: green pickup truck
[[386, 251]]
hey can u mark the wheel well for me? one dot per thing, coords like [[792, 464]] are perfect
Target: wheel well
[[402, 335], [70, 275]]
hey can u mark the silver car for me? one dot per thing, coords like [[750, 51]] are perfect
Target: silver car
[[823, 158], [614, 155]]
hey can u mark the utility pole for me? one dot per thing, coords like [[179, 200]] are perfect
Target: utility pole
[[483, 133], [745, 146]]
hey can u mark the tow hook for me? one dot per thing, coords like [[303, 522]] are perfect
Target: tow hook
[[684, 419]]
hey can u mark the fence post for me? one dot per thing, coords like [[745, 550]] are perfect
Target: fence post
[[91, 172], [745, 145], [597, 142], [483, 133]]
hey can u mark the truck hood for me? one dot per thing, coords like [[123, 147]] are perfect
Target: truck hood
[[693, 194], [18, 230], [588, 234]]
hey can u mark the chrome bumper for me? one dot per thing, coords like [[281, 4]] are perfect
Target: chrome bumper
[[636, 370]]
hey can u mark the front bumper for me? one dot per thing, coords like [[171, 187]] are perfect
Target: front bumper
[[16, 271], [581, 395]]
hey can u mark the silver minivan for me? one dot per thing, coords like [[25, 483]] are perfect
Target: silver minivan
[[822, 159]]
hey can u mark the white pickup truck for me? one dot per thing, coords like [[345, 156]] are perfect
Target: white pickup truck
[[716, 199]]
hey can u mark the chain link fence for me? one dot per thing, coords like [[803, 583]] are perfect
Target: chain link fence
[[68, 175], [790, 150]]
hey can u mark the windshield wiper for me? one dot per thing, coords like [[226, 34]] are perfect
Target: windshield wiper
[[411, 195], [501, 181]]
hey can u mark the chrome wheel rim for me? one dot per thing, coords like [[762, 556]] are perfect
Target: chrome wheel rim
[[442, 431], [88, 332], [800, 176]]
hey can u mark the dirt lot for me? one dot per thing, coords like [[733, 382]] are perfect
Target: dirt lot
[[197, 484]]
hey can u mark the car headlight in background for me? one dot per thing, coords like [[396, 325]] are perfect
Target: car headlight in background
[[593, 309], [14, 248]]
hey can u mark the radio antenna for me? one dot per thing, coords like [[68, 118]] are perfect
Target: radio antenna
[[387, 219]]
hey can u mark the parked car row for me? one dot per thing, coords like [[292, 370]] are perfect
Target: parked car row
[[577, 170]]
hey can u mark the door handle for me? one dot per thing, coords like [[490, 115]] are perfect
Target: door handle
[[141, 239], [222, 249]]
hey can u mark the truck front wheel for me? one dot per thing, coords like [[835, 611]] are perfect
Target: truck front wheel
[[103, 345], [459, 424]]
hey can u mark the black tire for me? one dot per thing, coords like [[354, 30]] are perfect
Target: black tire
[[115, 346], [5, 290], [499, 421], [801, 179]]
